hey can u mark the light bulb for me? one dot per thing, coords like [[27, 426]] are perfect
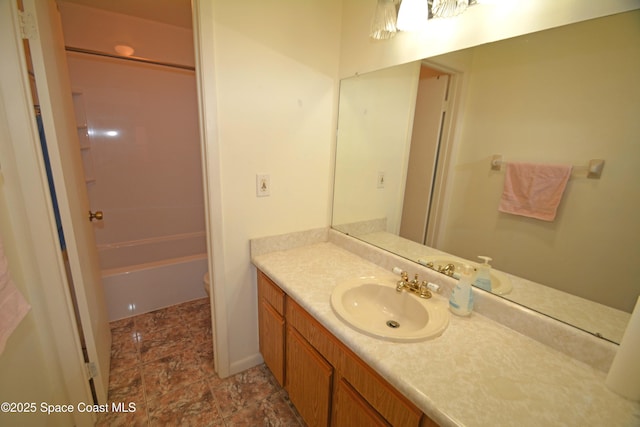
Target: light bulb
[[413, 14]]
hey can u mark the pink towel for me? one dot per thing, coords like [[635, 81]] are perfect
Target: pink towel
[[534, 190], [13, 306]]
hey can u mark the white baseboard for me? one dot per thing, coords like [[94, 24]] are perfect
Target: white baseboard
[[246, 363]]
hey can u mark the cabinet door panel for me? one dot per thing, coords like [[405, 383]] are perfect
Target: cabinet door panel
[[351, 410], [308, 380], [394, 407], [271, 326]]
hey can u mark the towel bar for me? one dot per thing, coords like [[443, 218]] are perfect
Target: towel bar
[[594, 168]]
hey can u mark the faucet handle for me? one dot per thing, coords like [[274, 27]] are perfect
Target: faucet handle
[[403, 274], [424, 291], [431, 286]]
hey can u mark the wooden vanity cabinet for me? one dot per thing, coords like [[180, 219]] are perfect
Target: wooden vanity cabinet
[[328, 383]]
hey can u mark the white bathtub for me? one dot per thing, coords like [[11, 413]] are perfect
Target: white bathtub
[[146, 275]]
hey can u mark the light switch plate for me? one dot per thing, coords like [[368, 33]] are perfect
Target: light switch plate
[[263, 185]]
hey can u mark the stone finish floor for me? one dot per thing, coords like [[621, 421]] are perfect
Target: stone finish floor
[[163, 362]]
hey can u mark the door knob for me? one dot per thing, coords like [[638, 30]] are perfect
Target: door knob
[[97, 215]]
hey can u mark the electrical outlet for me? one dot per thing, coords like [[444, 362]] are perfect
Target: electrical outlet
[[263, 185], [380, 182]]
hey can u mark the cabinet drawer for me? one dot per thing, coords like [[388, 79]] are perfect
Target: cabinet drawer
[[270, 292], [381, 395]]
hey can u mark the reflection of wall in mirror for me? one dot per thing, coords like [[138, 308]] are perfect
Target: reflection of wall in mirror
[[561, 96], [376, 114]]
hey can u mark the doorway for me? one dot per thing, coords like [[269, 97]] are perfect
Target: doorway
[[93, 136], [426, 141], [135, 102]]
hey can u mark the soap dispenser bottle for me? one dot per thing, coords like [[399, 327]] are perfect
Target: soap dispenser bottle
[[483, 278], [461, 301]]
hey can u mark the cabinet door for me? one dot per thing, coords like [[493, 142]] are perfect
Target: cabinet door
[[308, 380], [387, 401], [271, 325], [271, 336], [351, 410]]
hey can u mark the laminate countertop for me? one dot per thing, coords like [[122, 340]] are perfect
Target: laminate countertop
[[477, 373]]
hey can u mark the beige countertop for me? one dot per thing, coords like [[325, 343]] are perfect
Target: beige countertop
[[478, 373]]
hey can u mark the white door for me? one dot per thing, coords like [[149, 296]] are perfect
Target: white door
[[423, 157], [54, 93]]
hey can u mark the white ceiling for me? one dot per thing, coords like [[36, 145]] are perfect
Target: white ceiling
[[174, 12]]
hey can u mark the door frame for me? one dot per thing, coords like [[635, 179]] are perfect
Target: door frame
[[204, 50], [449, 137]]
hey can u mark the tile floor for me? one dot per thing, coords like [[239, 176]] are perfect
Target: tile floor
[[163, 362]]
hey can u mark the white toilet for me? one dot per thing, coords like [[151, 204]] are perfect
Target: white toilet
[[206, 282]]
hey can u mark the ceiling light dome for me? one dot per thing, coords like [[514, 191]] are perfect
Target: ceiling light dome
[[124, 50]]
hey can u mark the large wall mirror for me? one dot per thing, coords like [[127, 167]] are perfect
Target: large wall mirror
[[414, 165]]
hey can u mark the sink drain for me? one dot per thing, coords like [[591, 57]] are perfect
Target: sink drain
[[393, 324]]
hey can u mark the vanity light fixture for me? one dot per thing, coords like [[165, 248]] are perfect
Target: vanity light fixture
[[448, 8], [414, 14], [383, 25]]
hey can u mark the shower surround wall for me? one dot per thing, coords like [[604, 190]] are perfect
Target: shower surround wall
[[141, 152]]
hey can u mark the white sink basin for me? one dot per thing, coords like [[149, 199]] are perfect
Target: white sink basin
[[373, 306], [500, 283]]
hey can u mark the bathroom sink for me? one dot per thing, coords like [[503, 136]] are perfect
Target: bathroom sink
[[500, 283], [372, 306]]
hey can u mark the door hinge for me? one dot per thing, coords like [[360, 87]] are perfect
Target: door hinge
[[27, 25], [92, 370]]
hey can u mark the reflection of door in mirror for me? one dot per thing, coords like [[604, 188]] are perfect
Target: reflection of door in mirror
[[423, 154]]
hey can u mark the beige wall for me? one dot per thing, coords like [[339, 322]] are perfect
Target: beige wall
[[28, 371], [563, 96], [275, 79]]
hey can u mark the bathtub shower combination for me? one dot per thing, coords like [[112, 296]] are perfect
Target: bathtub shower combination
[[145, 275], [137, 120]]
